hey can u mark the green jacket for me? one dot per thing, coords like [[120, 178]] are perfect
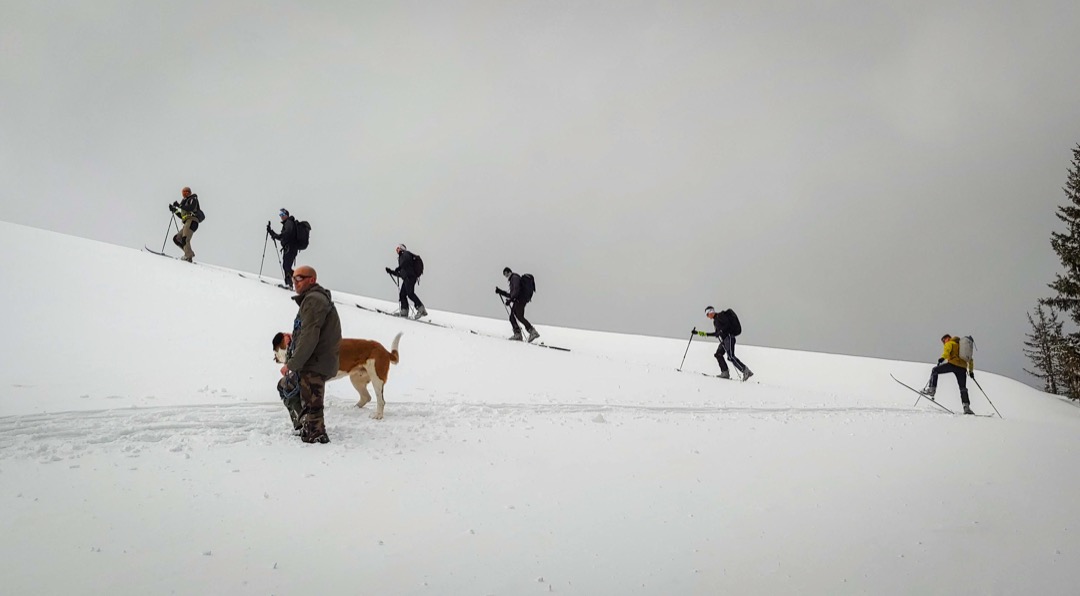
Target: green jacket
[[316, 334]]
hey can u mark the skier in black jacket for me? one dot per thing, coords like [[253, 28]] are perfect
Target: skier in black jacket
[[187, 210], [725, 330], [516, 299], [407, 271], [289, 247]]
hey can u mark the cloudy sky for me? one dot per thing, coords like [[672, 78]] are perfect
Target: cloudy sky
[[850, 176]]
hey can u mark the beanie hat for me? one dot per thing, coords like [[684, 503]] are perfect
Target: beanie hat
[[709, 309]]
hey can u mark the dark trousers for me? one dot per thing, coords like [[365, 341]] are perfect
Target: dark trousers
[[287, 260], [517, 313], [961, 378], [727, 346], [408, 292]]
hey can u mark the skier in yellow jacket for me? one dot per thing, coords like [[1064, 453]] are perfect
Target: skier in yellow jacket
[[951, 362]]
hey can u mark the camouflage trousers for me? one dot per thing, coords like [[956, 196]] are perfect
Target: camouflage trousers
[[306, 406]]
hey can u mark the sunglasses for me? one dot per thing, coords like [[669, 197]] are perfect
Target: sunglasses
[[301, 277]]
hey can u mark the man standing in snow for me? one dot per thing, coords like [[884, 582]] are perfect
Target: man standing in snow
[[409, 270], [288, 240], [518, 296], [727, 326], [313, 352], [187, 210], [951, 362]]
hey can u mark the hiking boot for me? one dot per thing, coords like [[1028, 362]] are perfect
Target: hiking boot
[[307, 438], [516, 336], [532, 335], [724, 375], [967, 409], [747, 374], [420, 312]]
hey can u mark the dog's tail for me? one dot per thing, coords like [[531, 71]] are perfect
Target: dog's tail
[[393, 349]]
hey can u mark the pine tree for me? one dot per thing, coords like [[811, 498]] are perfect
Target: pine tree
[[1066, 286], [1067, 246], [1046, 350]]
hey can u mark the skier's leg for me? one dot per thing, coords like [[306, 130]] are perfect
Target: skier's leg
[[729, 346], [287, 264], [720, 358]]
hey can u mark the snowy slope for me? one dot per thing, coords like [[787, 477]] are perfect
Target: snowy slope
[[143, 450]]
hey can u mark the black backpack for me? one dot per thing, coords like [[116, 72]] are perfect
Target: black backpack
[[528, 286], [303, 234], [417, 265], [731, 322], [200, 216]]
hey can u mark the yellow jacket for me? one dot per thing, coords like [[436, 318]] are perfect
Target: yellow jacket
[[952, 355]]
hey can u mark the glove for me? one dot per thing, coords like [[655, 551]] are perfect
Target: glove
[[390, 271], [940, 360], [506, 302], [172, 207], [702, 334], [972, 373], [268, 230]]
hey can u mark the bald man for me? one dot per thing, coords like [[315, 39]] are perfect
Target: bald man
[[313, 353]]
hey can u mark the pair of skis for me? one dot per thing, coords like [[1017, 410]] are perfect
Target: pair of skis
[[932, 400], [434, 324]]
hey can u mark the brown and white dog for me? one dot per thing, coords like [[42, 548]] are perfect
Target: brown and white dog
[[362, 360]]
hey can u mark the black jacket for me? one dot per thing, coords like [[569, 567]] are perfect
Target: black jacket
[[406, 266], [190, 204], [288, 233], [515, 292], [722, 324]]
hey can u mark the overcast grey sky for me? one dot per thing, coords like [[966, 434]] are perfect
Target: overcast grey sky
[[850, 176]]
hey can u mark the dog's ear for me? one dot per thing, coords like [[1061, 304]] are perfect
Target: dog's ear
[[278, 340]]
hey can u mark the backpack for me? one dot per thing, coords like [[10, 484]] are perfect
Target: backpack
[[967, 348], [528, 286], [200, 216], [731, 322], [417, 265], [303, 234]]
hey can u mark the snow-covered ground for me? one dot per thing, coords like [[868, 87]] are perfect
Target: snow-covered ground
[[143, 450]]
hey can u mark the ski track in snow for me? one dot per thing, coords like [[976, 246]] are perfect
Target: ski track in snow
[[180, 429]]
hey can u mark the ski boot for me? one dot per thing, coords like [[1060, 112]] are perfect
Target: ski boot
[[747, 374], [967, 409], [516, 336], [404, 312], [420, 312], [532, 335], [929, 393], [724, 375]]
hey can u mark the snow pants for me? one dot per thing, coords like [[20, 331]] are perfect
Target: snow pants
[[727, 346], [408, 292], [961, 378], [517, 313]]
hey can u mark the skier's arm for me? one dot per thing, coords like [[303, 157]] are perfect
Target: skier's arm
[[515, 287]]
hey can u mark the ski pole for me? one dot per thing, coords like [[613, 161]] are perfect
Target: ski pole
[[987, 398], [266, 240], [277, 251], [394, 279], [692, 334], [167, 231]]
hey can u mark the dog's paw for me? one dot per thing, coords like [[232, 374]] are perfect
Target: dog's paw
[[376, 416], [360, 405]]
